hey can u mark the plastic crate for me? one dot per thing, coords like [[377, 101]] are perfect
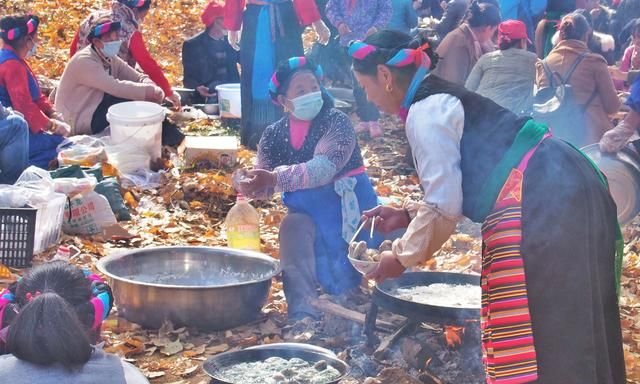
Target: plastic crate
[[17, 234]]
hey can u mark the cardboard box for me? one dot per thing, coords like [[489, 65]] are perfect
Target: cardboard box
[[222, 150]]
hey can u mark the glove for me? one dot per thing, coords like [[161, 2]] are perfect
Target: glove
[[615, 139]]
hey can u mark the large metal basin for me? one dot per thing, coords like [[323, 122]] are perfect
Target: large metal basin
[[206, 287]]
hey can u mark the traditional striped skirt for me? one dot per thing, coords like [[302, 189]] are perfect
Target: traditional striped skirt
[[507, 337]]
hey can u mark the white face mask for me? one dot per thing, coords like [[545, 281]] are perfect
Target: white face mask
[[111, 48], [308, 106]]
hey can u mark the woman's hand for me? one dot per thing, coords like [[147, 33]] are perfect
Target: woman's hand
[[234, 39], [388, 268], [371, 31], [324, 34], [175, 101], [60, 128], [388, 219], [617, 74], [343, 29], [154, 94], [203, 90], [256, 181]]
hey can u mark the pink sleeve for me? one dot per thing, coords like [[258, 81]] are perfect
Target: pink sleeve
[[625, 64]]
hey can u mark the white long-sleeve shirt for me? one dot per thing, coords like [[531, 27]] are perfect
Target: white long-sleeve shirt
[[434, 129]]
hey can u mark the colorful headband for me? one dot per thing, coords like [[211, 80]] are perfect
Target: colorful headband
[[16, 33], [6, 298], [293, 63], [101, 299], [359, 50], [104, 28], [134, 3]]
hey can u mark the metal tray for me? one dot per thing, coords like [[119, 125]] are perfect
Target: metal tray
[[383, 296]]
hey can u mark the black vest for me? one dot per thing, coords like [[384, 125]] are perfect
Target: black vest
[[489, 130]]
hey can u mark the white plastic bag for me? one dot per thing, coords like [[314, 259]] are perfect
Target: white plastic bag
[[127, 158], [142, 178], [12, 197], [87, 214], [81, 150], [72, 186]]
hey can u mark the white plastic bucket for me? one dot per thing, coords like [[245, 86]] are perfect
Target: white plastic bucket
[[137, 123], [230, 101]]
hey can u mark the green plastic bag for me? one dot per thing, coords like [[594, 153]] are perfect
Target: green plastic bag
[[110, 189]]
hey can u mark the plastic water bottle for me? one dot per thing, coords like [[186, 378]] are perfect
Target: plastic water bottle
[[243, 226]]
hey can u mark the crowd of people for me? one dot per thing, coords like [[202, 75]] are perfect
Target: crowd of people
[[495, 98]]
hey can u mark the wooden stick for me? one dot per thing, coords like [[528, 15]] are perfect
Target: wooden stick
[[325, 305], [373, 224], [358, 231]]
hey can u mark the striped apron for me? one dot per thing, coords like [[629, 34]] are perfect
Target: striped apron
[[507, 338]]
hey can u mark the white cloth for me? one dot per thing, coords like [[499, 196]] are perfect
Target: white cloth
[[351, 214], [434, 128]]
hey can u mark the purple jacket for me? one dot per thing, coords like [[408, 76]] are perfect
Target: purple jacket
[[364, 15]]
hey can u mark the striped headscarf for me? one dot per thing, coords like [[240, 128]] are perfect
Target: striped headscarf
[[287, 69], [135, 3], [359, 50], [104, 28], [15, 33]]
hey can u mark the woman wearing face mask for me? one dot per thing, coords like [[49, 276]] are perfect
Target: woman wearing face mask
[[96, 78], [19, 88], [552, 248], [312, 156], [130, 14], [461, 48]]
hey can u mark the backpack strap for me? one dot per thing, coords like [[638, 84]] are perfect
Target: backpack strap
[[591, 98], [569, 73], [550, 74]]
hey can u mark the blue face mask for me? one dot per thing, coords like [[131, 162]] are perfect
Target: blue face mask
[[308, 106], [33, 49], [111, 48]]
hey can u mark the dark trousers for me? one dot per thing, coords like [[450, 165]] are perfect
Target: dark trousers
[[171, 134]]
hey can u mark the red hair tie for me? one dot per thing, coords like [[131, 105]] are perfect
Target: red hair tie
[[30, 296]]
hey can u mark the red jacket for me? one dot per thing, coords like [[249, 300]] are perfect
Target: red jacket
[[142, 56], [306, 10], [13, 77]]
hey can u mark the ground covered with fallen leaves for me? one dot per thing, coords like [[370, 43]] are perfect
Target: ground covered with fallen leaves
[[189, 208]]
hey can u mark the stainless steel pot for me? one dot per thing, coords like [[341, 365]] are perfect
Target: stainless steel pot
[[215, 365], [622, 170], [207, 287]]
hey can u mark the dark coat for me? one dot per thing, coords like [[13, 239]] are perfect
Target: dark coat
[[209, 62]]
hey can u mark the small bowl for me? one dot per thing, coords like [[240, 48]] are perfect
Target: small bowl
[[209, 109], [362, 266]]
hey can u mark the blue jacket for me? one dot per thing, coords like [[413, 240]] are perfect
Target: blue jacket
[[404, 16]]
